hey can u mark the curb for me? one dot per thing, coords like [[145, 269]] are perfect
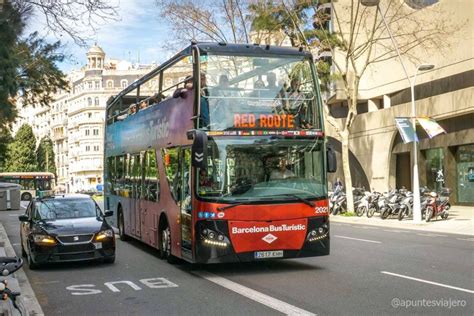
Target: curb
[[399, 225], [27, 298]]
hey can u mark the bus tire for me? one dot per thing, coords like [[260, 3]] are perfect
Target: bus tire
[[165, 242], [121, 225], [26, 196]]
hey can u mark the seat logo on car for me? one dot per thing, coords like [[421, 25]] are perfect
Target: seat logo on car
[[76, 238]]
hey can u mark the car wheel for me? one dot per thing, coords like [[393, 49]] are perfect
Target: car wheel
[[26, 196], [109, 260], [31, 262], [121, 225]]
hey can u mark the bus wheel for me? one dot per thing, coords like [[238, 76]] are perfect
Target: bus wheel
[[121, 225], [165, 249], [26, 196]]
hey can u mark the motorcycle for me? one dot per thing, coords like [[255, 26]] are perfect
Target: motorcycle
[[437, 205], [8, 265]]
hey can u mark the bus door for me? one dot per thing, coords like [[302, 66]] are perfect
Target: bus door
[[135, 218], [185, 202], [149, 197]]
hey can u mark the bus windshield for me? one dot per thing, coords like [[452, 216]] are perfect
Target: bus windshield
[[257, 169], [240, 92]]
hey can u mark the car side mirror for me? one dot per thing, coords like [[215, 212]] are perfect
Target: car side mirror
[[24, 218], [331, 159], [108, 213]]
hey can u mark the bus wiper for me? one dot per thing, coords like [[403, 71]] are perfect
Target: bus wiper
[[223, 208], [305, 201]]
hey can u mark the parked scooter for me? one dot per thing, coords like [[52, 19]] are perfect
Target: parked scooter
[[438, 205]]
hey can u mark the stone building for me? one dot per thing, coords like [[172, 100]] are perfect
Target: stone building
[[77, 118], [379, 158]]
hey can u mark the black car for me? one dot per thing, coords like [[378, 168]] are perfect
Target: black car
[[66, 228]]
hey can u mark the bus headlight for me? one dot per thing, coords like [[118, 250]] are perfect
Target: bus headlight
[[318, 234], [213, 238]]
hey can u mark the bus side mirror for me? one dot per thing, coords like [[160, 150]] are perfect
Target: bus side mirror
[[199, 148], [331, 159]]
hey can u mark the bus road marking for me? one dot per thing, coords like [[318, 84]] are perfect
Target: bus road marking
[[91, 289], [256, 296], [358, 239], [429, 282]]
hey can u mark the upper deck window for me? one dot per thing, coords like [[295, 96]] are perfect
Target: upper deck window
[[247, 92]]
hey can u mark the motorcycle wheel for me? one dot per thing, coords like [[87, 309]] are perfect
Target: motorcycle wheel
[[360, 210], [401, 214], [428, 213], [444, 215], [371, 212], [385, 214], [447, 207]]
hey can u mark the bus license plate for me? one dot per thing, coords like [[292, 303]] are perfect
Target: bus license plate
[[268, 254]]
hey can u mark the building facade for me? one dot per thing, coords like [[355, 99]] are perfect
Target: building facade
[[379, 158], [77, 119]]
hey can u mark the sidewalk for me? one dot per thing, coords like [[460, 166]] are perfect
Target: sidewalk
[[17, 282], [460, 221]]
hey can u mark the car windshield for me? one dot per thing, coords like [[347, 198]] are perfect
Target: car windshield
[[261, 168], [65, 209]]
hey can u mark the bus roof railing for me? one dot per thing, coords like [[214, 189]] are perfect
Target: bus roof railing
[[218, 48], [2, 174]]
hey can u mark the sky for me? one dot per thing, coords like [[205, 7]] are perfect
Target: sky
[[140, 33]]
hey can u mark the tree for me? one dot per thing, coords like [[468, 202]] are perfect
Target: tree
[[5, 139], [21, 154], [45, 156], [28, 64], [359, 40], [224, 21]]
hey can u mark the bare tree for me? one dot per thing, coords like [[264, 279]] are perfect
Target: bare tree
[[360, 40], [217, 21], [79, 19]]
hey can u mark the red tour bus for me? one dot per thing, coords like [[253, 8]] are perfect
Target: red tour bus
[[219, 155]]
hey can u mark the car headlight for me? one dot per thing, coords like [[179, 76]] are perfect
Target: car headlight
[[44, 239], [109, 233]]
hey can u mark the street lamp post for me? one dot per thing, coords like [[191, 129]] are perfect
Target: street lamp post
[[423, 67], [416, 181]]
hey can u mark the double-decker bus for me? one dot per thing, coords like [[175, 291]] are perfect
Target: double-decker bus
[[33, 184], [226, 161]]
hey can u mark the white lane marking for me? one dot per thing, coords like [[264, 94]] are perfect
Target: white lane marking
[[16, 244], [366, 240], [467, 239], [429, 282], [432, 235], [13, 215], [256, 296], [368, 227], [395, 231]]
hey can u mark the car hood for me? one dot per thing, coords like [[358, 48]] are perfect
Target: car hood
[[73, 226]]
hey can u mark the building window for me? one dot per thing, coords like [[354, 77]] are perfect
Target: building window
[[465, 173], [97, 85], [90, 85], [95, 132], [419, 4], [88, 148], [123, 83], [88, 132], [110, 83], [96, 101], [89, 101], [96, 148]]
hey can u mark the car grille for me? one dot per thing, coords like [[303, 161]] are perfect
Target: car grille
[[75, 256], [73, 239], [76, 248]]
